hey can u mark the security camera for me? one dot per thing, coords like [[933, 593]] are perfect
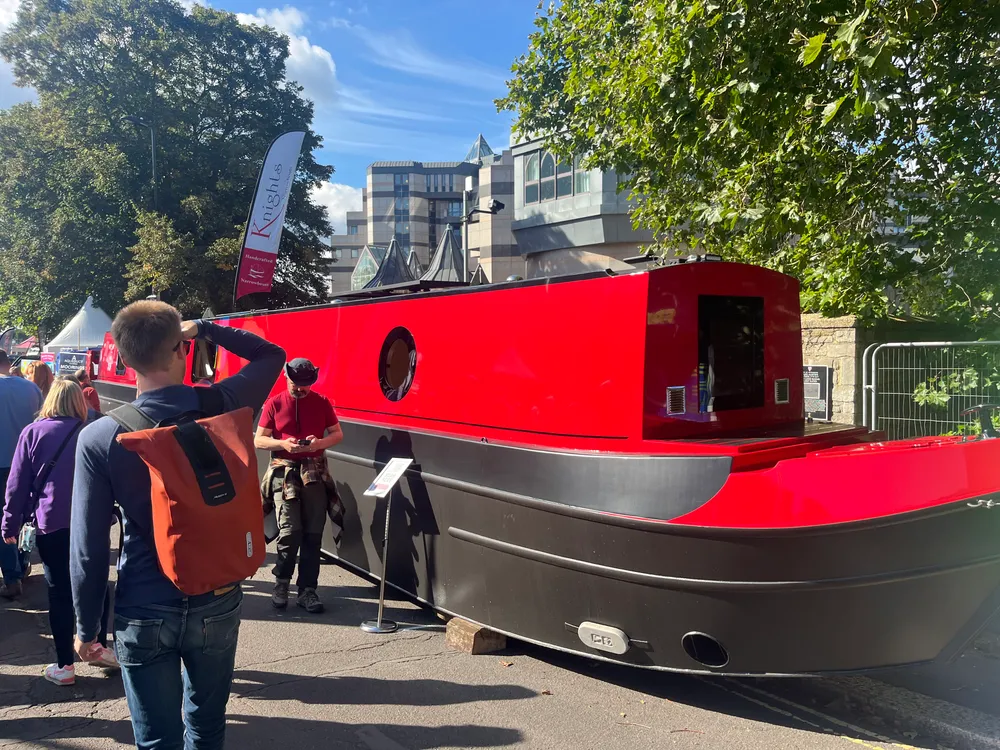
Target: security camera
[[494, 206]]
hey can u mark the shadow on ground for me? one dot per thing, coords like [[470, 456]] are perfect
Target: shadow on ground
[[364, 691], [267, 732]]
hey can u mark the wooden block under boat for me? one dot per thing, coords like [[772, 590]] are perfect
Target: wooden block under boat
[[469, 638]]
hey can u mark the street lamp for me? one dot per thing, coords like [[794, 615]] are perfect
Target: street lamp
[[140, 123], [493, 207]]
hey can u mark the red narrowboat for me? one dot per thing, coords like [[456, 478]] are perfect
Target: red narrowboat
[[617, 465]]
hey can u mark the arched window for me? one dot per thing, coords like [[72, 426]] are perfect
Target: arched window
[[547, 189], [531, 179]]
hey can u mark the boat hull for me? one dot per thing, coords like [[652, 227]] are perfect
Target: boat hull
[[530, 543]]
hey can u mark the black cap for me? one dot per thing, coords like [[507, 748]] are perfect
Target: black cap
[[301, 371]]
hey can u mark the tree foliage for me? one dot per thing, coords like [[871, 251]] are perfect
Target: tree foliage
[[789, 132], [77, 207]]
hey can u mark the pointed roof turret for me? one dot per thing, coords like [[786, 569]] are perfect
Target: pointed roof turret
[[413, 263], [479, 151], [479, 278], [448, 262], [392, 269]]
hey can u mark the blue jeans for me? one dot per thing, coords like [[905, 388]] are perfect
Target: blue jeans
[[152, 642], [12, 563]]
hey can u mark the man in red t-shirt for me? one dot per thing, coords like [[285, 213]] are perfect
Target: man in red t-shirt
[[297, 426], [89, 393]]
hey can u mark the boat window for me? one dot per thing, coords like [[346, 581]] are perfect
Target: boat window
[[204, 361], [397, 364], [731, 352]]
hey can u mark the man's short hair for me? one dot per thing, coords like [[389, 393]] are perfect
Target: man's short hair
[[146, 333], [81, 375], [4, 361]]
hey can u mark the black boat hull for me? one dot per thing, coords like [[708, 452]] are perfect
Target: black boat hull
[[521, 541]]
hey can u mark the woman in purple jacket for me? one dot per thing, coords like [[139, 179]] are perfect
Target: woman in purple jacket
[[47, 446]]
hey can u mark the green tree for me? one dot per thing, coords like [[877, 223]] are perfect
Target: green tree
[[64, 229], [786, 132], [217, 93]]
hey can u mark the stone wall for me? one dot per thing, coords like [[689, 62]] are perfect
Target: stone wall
[[838, 343]]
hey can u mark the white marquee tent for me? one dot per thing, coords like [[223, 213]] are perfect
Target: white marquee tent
[[84, 331]]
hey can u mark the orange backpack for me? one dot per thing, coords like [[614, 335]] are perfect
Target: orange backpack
[[208, 529]]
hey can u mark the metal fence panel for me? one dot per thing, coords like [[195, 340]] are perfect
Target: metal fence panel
[[920, 388]]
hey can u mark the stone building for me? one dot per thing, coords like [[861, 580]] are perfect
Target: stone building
[[416, 202]]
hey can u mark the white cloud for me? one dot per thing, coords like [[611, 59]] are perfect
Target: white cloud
[[397, 50], [9, 93], [338, 199], [309, 64]]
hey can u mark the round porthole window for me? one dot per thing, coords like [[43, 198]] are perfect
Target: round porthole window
[[397, 364]]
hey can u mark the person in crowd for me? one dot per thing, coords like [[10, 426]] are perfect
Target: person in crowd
[[157, 628], [41, 375], [89, 392], [297, 426], [92, 413], [39, 489], [20, 401]]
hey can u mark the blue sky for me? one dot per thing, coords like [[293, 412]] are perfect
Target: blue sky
[[391, 79]]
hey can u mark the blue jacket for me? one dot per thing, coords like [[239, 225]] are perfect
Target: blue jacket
[[106, 473], [20, 401]]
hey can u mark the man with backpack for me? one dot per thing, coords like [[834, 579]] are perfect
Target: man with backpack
[[297, 426], [178, 595]]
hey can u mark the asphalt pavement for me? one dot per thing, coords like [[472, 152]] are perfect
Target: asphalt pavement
[[320, 682]]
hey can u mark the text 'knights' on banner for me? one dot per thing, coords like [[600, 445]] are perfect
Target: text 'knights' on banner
[[262, 236]]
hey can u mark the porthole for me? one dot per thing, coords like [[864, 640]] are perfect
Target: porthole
[[397, 364]]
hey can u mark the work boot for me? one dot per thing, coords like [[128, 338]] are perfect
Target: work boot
[[309, 601], [279, 597]]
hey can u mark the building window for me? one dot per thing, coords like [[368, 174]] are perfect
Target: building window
[[547, 173], [531, 179], [401, 179], [451, 183], [355, 252], [435, 184], [582, 177], [564, 179], [454, 208], [352, 229]]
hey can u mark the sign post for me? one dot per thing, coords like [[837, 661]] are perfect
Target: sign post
[[67, 362], [383, 485], [817, 392]]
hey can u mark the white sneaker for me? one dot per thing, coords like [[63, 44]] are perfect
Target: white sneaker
[[60, 675], [105, 659]]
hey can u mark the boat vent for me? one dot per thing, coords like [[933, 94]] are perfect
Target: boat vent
[[676, 399], [781, 391]]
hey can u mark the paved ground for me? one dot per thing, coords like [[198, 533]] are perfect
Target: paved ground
[[319, 682]]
